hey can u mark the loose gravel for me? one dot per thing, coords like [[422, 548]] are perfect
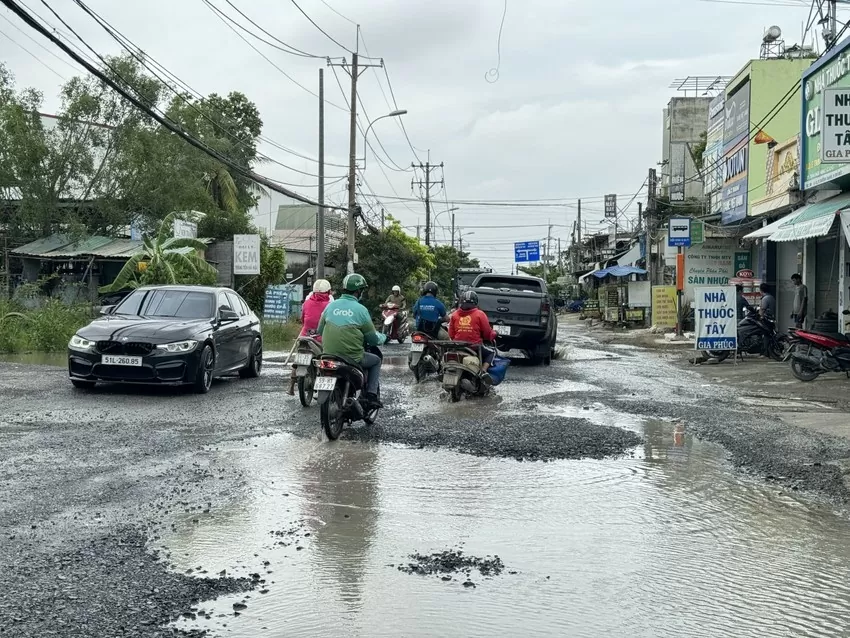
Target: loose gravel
[[452, 564]]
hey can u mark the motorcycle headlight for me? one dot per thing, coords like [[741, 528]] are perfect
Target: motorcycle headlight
[[178, 346], [79, 343]]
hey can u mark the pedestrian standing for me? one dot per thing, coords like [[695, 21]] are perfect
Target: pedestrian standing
[[801, 300], [767, 306]]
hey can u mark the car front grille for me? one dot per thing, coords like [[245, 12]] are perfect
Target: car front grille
[[130, 348]]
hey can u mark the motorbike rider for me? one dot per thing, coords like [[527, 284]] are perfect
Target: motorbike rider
[[311, 313], [345, 326], [429, 312], [397, 298], [470, 324]]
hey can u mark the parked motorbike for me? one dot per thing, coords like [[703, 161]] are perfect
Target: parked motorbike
[[814, 353], [462, 371], [340, 386], [425, 356], [756, 335], [395, 323], [308, 350]]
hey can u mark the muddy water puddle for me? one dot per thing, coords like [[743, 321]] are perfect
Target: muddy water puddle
[[671, 543]]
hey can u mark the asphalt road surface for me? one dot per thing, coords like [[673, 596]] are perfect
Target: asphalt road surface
[[586, 498]]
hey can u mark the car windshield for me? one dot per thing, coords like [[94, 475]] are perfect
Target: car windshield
[[520, 285], [180, 304]]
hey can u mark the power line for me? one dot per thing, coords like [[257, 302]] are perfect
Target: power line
[[325, 33], [139, 104], [38, 44], [338, 13], [492, 76], [34, 56], [293, 51]]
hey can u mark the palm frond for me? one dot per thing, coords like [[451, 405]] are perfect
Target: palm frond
[[125, 276], [166, 228]]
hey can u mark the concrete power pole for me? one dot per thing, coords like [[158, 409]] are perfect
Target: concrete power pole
[[427, 167], [453, 231], [650, 213], [320, 222], [579, 261]]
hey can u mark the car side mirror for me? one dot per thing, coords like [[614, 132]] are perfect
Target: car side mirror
[[106, 310], [226, 315]]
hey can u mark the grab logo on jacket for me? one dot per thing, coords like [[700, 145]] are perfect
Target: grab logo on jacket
[[343, 312]]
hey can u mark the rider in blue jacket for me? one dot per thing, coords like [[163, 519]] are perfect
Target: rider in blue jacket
[[429, 312]]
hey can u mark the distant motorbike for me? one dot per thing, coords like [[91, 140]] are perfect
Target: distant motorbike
[[462, 371], [814, 353], [756, 335], [425, 356], [395, 324], [308, 350], [340, 385]]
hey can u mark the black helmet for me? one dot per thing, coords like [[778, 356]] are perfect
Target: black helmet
[[431, 287], [469, 300]]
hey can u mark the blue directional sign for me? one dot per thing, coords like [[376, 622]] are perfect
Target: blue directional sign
[[526, 251]]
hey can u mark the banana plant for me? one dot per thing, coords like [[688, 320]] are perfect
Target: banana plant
[[166, 259]]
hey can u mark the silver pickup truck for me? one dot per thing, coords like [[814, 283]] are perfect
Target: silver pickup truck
[[521, 312]]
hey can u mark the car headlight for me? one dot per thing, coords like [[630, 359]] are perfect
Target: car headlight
[[178, 346], [79, 343]]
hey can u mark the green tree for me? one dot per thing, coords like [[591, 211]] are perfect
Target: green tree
[[167, 259], [386, 258]]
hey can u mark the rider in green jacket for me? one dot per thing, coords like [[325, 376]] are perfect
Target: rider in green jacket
[[346, 328]]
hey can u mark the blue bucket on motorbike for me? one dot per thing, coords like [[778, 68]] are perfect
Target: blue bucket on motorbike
[[498, 369]]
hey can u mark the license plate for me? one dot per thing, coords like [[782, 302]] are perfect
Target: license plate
[[303, 359], [324, 384], [417, 347], [118, 360], [502, 330]]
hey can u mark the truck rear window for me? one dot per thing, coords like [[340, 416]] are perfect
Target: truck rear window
[[510, 283]]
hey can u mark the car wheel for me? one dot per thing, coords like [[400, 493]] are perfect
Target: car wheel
[[255, 362], [82, 385], [204, 376]]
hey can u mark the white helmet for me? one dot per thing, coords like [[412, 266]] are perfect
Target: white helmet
[[396, 288], [321, 285]]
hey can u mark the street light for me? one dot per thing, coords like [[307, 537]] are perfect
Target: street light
[[460, 239], [396, 113], [449, 210]]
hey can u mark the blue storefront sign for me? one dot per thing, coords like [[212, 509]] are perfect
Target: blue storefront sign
[[526, 251]]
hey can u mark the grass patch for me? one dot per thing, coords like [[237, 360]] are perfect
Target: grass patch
[[45, 329], [278, 335]]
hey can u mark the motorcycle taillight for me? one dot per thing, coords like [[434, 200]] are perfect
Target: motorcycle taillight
[[325, 364]]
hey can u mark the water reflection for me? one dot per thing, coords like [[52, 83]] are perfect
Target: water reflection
[[58, 359]]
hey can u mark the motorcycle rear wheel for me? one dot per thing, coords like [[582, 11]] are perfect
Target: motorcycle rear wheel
[[720, 355], [802, 371], [333, 419], [305, 389]]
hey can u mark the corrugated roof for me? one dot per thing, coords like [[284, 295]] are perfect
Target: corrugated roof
[[63, 247]]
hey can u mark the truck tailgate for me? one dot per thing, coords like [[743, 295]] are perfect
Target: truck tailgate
[[511, 306]]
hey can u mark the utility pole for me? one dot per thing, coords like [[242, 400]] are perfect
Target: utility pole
[[427, 167], [453, 231], [382, 218], [650, 212], [579, 262], [354, 71], [320, 222], [417, 232], [560, 265], [547, 256]]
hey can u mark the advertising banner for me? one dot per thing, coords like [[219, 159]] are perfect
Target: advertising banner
[[713, 154], [185, 230], [277, 303], [610, 207], [835, 129], [736, 124], [734, 194], [711, 263], [715, 320], [246, 254], [664, 313]]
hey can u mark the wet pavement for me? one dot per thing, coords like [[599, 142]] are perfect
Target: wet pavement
[[577, 502]]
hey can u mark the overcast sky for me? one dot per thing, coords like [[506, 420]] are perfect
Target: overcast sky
[[576, 111]]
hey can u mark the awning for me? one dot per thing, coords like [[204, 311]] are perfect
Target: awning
[[767, 231], [585, 276], [631, 256], [814, 220], [618, 271]]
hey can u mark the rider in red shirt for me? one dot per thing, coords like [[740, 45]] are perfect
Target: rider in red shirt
[[470, 324]]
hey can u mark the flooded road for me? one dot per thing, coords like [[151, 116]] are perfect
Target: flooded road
[[654, 532]]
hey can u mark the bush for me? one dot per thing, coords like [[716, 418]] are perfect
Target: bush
[[278, 335], [45, 329]]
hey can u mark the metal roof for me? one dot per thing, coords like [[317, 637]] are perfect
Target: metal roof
[[63, 247]]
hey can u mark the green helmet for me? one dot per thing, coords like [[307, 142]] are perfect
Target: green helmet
[[354, 282]]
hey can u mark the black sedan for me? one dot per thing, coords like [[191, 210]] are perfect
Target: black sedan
[[169, 335]]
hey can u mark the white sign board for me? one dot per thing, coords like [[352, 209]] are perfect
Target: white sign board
[[715, 318], [184, 229], [679, 231], [835, 130], [246, 254]]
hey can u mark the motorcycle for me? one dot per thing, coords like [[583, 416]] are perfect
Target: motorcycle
[[395, 324], [308, 350], [425, 356], [340, 386], [813, 353], [756, 335], [462, 371]]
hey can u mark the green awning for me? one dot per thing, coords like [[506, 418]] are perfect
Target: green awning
[[814, 220]]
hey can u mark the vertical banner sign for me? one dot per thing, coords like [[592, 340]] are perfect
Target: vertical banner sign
[[664, 313], [736, 146], [246, 254], [679, 231], [610, 207], [835, 131], [715, 318]]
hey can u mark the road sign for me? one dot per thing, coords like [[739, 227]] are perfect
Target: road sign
[[679, 231], [526, 251], [610, 207]]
